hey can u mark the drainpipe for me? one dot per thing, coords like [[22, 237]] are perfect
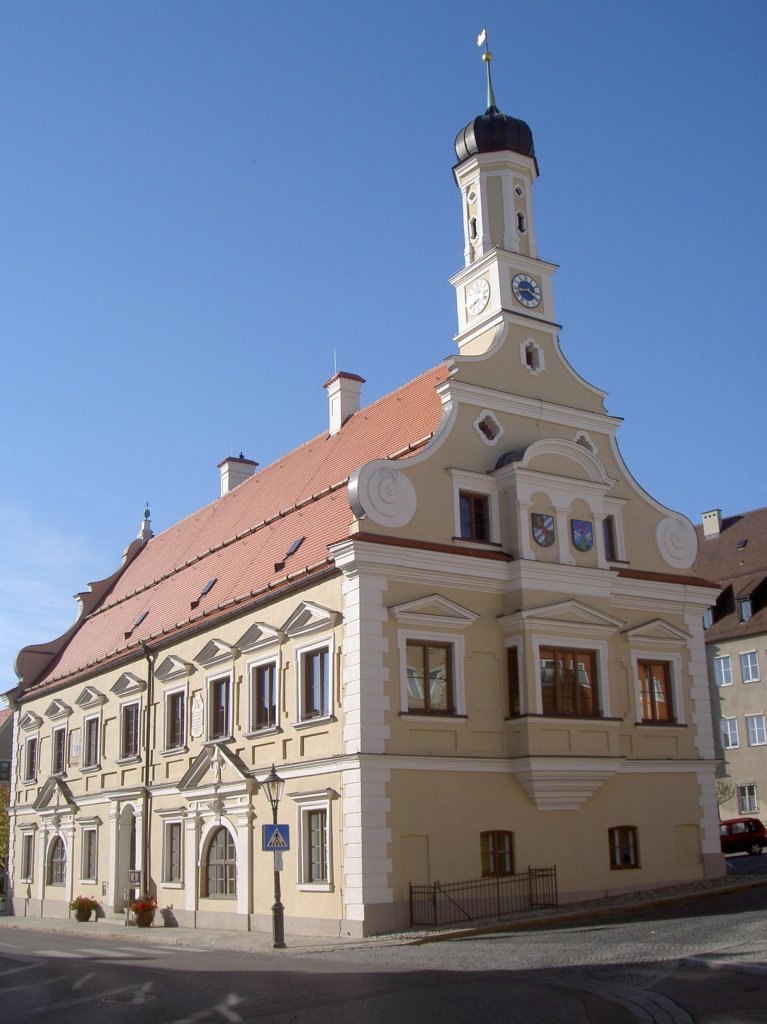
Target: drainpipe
[[147, 801]]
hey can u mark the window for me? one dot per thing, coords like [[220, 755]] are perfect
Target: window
[[744, 608], [756, 731], [512, 658], [655, 689], [57, 862], [749, 667], [27, 856], [315, 684], [30, 760], [175, 719], [497, 853], [5, 771], [708, 618], [91, 742], [730, 733], [723, 670], [219, 694], [221, 866], [432, 662], [172, 858], [747, 802], [475, 516], [569, 682], [317, 846], [89, 862], [59, 751], [129, 723], [608, 532], [263, 696], [624, 851]]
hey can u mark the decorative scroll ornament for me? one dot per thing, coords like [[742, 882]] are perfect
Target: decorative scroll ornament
[[677, 541], [385, 494]]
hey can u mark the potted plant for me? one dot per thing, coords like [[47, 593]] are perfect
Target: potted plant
[[83, 907], [143, 908]]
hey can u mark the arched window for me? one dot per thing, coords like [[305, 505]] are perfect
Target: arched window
[[57, 862], [221, 866]]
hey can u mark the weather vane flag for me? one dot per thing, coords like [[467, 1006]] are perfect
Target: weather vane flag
[[482, 37], [487, 57]]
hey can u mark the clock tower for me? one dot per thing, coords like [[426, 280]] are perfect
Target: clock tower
[[502, 276]]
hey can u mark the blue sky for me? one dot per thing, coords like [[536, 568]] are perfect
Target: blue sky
[[201, 201]]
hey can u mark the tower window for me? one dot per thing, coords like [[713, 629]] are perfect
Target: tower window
[[473, 229], [521, 223], [531, 355]]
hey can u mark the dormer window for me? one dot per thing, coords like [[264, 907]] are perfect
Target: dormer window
[[744, 609]]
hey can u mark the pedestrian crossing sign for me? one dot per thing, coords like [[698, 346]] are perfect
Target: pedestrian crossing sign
[[275, 837]]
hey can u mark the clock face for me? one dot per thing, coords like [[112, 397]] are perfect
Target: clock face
[[526, 290], [477, 296]]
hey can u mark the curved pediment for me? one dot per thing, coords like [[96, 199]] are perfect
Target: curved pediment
[[557, 457]]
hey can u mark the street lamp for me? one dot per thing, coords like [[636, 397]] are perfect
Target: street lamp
[[274, 787]]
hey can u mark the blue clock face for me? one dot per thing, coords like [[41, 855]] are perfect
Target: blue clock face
[[526, 290]]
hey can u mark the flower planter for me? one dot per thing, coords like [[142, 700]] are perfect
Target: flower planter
[[83, 914], [144, 918]]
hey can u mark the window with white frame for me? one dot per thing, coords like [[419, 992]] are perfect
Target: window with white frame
[[756, 730], [624, 847], [129, 731], [89, 861], [749, 667], [31, 748], [263, 695], [91, 729], [430, 689], [730, 733], [220, 707], [57, 862], [723, 670], [172, 861], [744, 609], [27, 856], [476, 511], [747, 802], [315, 865], [59, 750], [315, 683], [175, 719]]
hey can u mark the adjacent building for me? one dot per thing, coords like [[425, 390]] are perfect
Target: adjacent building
[[462, 633], [733, 553]]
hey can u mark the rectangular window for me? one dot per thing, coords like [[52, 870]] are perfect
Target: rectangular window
[[219, 696], [175, 720], [730, 733], [497, 853], [569, 682], [655, 689], [512, 658], [89, 862], [756, 731], [91, 742], [749, 667], [172, 860], [263, 696], [723, 670], [608, 530], [59, 751], [624, 849], [30, 760], [744, 608], [747, 802], [129, 729], [315, 684], [430, 678], [27, 856], [317, 847], [475, 516], [5, 771]]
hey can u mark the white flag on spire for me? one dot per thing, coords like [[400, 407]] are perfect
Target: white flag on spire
[[482, 37]]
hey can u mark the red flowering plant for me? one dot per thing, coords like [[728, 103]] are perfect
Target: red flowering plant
[[143, 903], [84, 903]]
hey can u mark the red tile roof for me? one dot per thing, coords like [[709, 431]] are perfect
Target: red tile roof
[[240, 538]]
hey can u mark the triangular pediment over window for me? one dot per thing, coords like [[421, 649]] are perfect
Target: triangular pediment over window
[[433, 611], [90, 698], [215, 765], [55, 794], [173, 667], [657, 631], [29, 721], [309, 617], [569, 615], [128, 685], [215, 651], [57, 709], [259, 635]]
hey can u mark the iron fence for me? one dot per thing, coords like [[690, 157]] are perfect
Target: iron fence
[[482, 898]]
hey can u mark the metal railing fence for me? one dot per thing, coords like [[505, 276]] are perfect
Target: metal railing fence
[[482, 898]]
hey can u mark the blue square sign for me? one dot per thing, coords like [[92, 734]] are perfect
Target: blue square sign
[[275, 838]]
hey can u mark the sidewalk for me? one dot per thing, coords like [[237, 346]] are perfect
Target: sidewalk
[[261, 942]]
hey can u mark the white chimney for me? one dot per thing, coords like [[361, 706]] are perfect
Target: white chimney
[[234, 471], [344, 392], [712, 523]]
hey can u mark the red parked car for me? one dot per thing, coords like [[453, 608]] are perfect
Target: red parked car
[[742, 835]]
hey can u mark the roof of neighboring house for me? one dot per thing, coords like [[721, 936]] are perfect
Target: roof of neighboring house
[[5, 714], [242, 539], [736, 558]]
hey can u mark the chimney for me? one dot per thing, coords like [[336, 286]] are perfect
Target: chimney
[[343, 397], [712, 523], [234, 471]]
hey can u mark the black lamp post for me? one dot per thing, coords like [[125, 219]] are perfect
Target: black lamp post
[[274, 787]]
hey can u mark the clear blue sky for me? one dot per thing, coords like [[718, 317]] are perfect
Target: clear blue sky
[[200, 201]]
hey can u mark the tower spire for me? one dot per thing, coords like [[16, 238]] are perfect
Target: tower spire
[[487, 58]]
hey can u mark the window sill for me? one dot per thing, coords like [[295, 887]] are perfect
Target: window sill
[[218, 739], [88, 769], [174, 750], [624, 867], [434, 716], [217, 899], [307, 723], [493, 545], [264, 730], [660, 725], [29, 782], [89, 881], [174, 885], [315, 887], [129, 759], [550, 716]]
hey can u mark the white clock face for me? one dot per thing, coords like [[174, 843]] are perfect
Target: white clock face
[[526, 290], [477, 296]]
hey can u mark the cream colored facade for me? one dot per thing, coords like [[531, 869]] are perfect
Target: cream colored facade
[[408, 763]]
